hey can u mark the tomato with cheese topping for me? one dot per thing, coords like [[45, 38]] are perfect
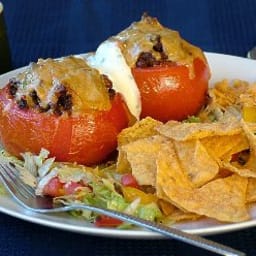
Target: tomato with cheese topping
[[168, 92], [63, 106]]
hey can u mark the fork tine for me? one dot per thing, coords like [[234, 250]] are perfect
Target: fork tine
[[9, 185], [15, 185], [11, 177], [16, 176]]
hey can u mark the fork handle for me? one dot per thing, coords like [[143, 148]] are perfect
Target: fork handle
[[174, 233]]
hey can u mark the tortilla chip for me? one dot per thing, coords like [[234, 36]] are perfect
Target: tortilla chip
[[199, 166], [190, 131], [178, 215], [166, 207], [122, 164], [175, 214], [225, 146], [141, 155], [142, 129], [251, 190], [226, 93], [168, 167], [241, 170], [249, 168], [221, 199]]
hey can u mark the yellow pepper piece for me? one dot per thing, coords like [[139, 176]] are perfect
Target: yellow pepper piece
[[249, 114], [130, 194]]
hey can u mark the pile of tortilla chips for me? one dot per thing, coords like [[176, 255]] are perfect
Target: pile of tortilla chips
[[193, 167]]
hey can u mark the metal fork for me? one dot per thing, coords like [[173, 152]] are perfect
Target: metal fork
[[252, 53], [25, 195]]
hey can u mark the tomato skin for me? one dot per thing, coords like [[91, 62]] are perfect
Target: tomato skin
[[85, 139], [168, 92], [128, 180], [70, 187], [106, 221], [54, 188]]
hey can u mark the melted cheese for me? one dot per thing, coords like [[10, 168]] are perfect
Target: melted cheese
[[143, 35], [83, 83]]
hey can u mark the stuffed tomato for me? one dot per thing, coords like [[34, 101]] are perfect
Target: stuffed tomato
[[64, 106], [159, 73]]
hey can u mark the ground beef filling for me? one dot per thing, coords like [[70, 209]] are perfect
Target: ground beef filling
[[64, 102], [147, 59], [64, 98]]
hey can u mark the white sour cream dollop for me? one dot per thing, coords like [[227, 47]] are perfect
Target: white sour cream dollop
[[110, 61]]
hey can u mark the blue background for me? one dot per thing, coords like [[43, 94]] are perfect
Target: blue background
[[53, 28]]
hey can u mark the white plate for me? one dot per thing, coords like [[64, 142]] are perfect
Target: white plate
[[222, 66]]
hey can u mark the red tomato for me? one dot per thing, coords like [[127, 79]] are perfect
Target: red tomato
[[105, 221], [70, 187], [168, 92], [86, 139], [54, 188], [128, 180]]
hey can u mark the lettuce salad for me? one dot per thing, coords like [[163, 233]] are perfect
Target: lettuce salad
[[100, 186]]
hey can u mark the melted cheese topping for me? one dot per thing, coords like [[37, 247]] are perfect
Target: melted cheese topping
[[116, 56], [47, 77], [142, 36]]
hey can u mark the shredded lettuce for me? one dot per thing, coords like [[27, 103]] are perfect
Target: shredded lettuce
[[149, 212], [103, 194], [101, 190], [38, 165], [192, 119]]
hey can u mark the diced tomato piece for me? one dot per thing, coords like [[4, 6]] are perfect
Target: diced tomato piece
[[54, 188], [106, 221], [129, 180], [70, 187]]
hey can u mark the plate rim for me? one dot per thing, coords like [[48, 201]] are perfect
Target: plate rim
[[9, 207]]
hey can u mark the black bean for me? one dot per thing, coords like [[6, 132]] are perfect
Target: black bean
[[107, 82], [22, 103], [146, 59], [13, 81], [35, 98], [13, 89], [57, 111], [164, 56], [158, 47], [111, 93], [64, 102], [109, 86], [13, 86], [45, 109]]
